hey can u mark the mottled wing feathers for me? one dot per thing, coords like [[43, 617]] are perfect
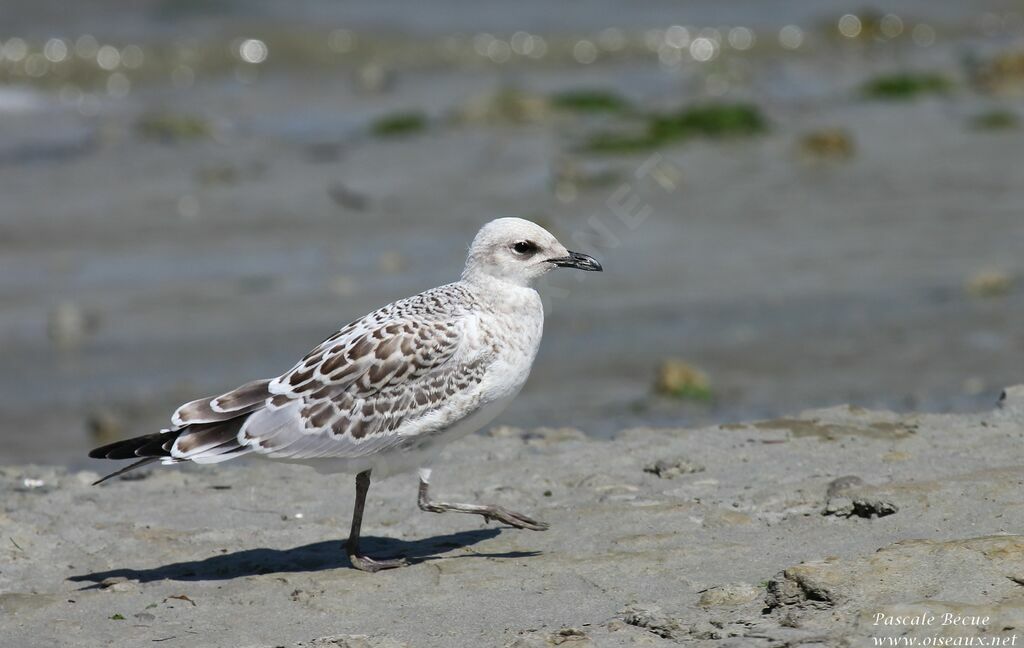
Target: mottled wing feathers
[[359, 391], [243, 400], [370, 360], [356, 393], [391, 379]]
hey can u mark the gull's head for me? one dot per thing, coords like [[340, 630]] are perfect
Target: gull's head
[[518, 251]]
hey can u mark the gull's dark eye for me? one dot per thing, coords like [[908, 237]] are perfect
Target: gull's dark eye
[[524, 248]]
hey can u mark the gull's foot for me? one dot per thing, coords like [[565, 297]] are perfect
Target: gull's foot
[[511, 518], [488, 511], [367, 564]]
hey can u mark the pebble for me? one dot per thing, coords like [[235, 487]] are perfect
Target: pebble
[[66, 325], [672, 468], [652, 618], [844, 499], [729, 594]]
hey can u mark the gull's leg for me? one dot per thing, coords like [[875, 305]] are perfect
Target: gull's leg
[[489, 512], [359, 561]]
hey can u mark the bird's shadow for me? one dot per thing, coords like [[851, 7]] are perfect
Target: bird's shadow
[[318, 556]]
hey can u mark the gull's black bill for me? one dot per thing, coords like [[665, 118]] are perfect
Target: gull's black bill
[[579, 261]]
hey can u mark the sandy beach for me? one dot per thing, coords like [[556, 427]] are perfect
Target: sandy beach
[[792, 531]]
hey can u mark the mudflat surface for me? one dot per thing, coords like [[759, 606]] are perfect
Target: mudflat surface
[[799, 530]]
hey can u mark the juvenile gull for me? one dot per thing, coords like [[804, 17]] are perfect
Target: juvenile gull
[[383, 394]]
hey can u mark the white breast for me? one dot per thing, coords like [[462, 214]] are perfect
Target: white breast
[[515, 328]]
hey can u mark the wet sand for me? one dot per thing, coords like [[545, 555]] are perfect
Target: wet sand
[[794, 531]]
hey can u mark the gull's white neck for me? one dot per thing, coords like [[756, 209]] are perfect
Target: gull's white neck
[[485, 283]]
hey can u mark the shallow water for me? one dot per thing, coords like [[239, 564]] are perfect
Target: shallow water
[[202, 263]]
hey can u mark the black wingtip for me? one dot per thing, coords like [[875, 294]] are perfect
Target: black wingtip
[[147, 445]]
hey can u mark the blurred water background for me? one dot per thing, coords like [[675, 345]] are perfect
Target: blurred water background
[[797, 203]]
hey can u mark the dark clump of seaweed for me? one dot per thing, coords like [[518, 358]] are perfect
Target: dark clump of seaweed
[[590, 101], [173, 127], [996, 119], [711, 120], [906, 85], [714, 120], [607, 142], [399, 124]]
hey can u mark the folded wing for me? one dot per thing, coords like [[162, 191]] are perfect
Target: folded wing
[[393, 378], [370, 388]]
